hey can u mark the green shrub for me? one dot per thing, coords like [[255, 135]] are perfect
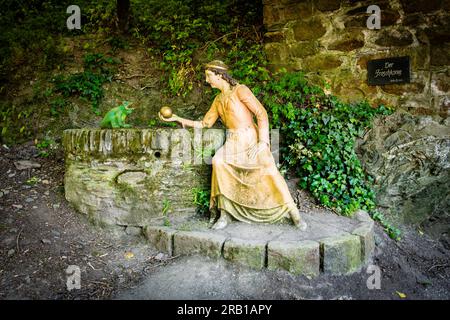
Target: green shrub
[[45, 147], [87, 84], [15, 122], [184, 33], [201, 200], [57, 105], [319, 132]]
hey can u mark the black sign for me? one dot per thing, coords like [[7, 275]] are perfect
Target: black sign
[[388, 71]]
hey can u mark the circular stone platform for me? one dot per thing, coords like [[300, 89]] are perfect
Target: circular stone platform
[[331, 244]]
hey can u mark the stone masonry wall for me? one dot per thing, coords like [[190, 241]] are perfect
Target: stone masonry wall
[[329, 39]]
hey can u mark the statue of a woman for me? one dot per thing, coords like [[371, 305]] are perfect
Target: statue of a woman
[[246, 183]]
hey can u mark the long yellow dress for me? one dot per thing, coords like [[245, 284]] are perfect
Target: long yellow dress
[[249, 190]]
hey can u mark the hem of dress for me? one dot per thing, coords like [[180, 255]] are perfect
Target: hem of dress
[[248, 214]]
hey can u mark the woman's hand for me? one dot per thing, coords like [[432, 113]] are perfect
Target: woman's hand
[[257, 148], [173, 118]]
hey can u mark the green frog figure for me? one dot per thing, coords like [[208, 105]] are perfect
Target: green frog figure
[[115, 118]]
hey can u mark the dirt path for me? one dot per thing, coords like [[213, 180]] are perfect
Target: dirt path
[[41, 235]]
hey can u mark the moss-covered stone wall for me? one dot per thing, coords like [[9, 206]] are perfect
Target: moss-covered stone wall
[[329, 39]]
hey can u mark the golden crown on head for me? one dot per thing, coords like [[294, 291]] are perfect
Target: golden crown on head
[[217, 64]]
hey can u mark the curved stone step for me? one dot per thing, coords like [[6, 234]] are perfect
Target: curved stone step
[[331, 244]]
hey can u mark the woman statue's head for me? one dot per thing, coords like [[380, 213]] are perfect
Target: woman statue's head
[[217, 70]]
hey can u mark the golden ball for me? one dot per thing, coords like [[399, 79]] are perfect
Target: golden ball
[[166, 112]]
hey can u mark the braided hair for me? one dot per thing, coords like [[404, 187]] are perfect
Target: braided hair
[[220, 68]]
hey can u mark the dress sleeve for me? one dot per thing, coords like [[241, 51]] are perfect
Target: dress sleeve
[[252, 103], [212, 115]]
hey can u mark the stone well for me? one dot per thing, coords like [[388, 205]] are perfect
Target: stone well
[[145, 178], [137, 176]]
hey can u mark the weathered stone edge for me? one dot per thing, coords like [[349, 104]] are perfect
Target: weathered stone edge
[[296, 257], [160, 237], [192, 242], [365, 231], [341, 254]]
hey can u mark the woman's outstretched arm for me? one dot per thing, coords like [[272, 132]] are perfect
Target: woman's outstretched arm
[[208, 120]]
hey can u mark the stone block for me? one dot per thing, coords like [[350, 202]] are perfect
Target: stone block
[[350, 93], [160, 237], [394, 38], [358, 21], [251, 253], [365, 231], [439, 55], [399, 89], [327, 5], [356, 11], [321, 62], [203, 243], [296, 257], [277, 14], [389, 17], [276, 52], [276, 36], [414, 20], [440, 83], [358, 17], [271, 16], [340, 254], [132, 178], [362, 216], [361, 6], [133, 231], [296, 10], [303, 49], [348, 40], [410, 6], [443, 106], [311, 29]]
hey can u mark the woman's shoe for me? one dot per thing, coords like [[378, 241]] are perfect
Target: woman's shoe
[[223, 221], [298, 221], [213, 214], [302, 225]]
